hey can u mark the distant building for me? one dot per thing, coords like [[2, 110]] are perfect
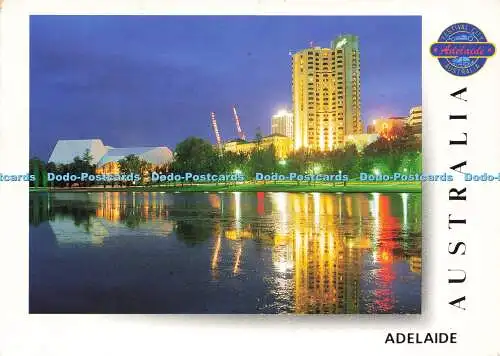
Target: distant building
[[415, 120], [282, 123], [387, 127], [361, 140], [106, 157], [370, 129], [282, 144]]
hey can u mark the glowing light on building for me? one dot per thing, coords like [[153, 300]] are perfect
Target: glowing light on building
[[341, 43], [321, 137], [282, 123]]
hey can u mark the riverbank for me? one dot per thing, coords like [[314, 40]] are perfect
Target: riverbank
[[353, 187]]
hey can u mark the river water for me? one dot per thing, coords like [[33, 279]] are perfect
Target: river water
[[124, 252]]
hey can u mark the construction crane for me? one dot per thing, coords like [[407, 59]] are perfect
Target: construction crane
[[241, 134], [216, 130]]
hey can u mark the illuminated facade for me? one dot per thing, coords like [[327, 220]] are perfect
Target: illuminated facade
[[415, 120], [415, 117], [156, 156], [388, 127], [282, 123], [348, 84], [282, 144], [106, 157], [326, 94]]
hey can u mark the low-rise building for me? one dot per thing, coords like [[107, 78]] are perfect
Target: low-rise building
[[415, 120], [156, 156], [283, 145], [387, 127]]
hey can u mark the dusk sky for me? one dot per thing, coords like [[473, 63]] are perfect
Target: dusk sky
[[153, 80]]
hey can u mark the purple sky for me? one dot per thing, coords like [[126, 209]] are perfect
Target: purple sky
[[153, 80]]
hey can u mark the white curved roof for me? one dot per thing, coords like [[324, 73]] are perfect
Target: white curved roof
[[154, 155], [65, 151]]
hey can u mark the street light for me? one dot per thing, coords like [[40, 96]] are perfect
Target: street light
[[344, 182], [376, 171], [282, 162], [317, 169]]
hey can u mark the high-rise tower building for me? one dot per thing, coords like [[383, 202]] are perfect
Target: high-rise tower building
[[282, 123], [326, 94], [347, 71], [313, 98]]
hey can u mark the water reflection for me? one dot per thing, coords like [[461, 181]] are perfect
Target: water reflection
[[289, 252]]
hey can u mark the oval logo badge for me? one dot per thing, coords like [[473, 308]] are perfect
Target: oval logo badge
[[462, 49]]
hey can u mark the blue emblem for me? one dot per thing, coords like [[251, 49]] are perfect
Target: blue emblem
[[462, 49]]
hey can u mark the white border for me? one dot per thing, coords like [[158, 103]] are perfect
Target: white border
[[21, 334]]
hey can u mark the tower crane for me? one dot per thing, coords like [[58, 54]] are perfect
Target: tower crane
[[241, 134], [216, 130]]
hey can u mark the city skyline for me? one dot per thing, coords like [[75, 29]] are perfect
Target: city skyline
[[122, 85]]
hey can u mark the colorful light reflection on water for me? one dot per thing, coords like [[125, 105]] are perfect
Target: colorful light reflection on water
[[225, 253]]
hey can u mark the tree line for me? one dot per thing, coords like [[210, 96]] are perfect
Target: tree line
[[198, 156]]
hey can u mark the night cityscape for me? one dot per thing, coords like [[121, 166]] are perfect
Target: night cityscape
[[223, 97]]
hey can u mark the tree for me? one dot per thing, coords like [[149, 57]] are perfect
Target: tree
[[258, 135], [37, 168], [196, 156], [87, 158], [350, 161], [262, 161], [231, 162], [132, 164], [51, 167]]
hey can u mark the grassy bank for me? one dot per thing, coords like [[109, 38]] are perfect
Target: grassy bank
[[354, 187]]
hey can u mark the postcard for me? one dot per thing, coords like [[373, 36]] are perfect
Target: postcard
[[331, 169]]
